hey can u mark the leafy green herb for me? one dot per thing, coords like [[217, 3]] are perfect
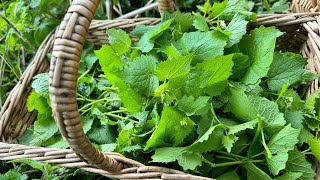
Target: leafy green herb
[[204, 94]]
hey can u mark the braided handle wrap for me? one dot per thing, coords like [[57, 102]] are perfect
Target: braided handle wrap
[[165, 5], [63, 74]]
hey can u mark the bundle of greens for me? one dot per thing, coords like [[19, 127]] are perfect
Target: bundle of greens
[[204, 97]]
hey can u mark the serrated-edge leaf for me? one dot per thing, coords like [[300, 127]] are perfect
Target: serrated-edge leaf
[[240, 127]]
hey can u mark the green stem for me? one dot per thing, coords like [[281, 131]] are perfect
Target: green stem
[[103, 94], [266, 4], [224, 164], [110, 88], [118, 111], [257, 161], [85, 73], [269, 155], [262, 153], [90, 104], [215, 118], [255, 135], [306, 151], [232, 155], [85, 111], [226, 157], [85, 99], [258, 129], [114, 115], [94, 71]]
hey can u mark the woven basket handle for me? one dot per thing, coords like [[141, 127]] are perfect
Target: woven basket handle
[[63, 74], [165, 5]]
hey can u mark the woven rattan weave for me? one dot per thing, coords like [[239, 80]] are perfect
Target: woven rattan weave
[[301, 35]]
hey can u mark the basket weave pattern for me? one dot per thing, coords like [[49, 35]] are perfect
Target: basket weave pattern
[[302, 35]]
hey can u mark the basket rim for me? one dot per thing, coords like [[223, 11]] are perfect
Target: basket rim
[[285, 20]]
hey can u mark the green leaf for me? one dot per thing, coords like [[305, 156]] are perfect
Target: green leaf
[[44, 128], [45, 168], [204, 124], [111, 64], [197, 81], [204, 45], [119, 40], [228, 176], [259, 46], [210, 76], [314, 144], [211, 140], [176, 66], [297, 163], [140, 30], [58, 143], [206, 6], [241, 144], [132, 148], [295, 118], [181, 21], [200, 23], [240, 127], [284, 140], [279, 6], [218, 8], [228, 141], [305, 135], [291, 100], [13, 175], [279, 145], [285, 68], [217, 88], [131, 99], [312, 122], [108, 147], [87, 123], [247, 107], [125, 137], [237, 27], [172, 52], [185, 159], [146, 42], [44, 29], [312, 104], [254, 173], [102, 134], [39, 102], [237, 7], [140, 75], [289, 176], [90, 59], [167, 154], [142, 117], [26, 137], [241, 106], [220, 68], [277, 162], [41, 83], [172, 120], [108, 59], [190, 160], [191, 105], [32, 100]]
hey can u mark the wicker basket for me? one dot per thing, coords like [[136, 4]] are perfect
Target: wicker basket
[[301, 35]]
